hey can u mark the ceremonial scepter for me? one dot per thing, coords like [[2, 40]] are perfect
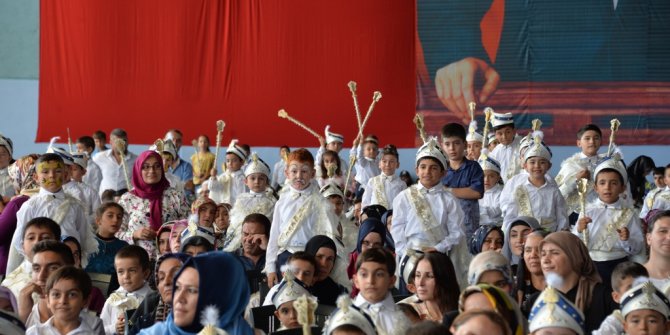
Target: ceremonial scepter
[[488, 113], [352, 88], [418, 122], [614, 127], [219, 130], [69, 140], [376, 96], [120, 145], [160, 145], [284, 115], [582, 189]]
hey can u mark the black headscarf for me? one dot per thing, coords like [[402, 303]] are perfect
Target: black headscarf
[[371, 225]]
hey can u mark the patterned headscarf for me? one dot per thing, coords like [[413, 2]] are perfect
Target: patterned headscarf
[[477, 239], [22, 173]]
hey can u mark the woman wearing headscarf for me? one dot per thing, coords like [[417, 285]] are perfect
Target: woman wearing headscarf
[[565, 257], [371, 234], [178, 228], [638, 170], [157, 305], [515, 236], [325, 251], [21, 174], [150, 203], [488, 297], [198, 288], [529, 276], [485, 238]]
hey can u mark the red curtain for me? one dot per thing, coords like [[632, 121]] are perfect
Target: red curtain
[[150, 65]]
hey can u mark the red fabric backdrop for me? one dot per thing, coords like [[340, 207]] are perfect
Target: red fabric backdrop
[[151, 65]]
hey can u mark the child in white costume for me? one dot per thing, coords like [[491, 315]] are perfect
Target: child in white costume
[[507, 151], [658, 198], [334, 142], [382, 189], [225, 187], [489, 206], [259, 199], [367, 159]]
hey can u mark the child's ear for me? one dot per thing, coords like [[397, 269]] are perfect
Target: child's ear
[[354, 279], [87, 300], [579, 143], [615, 296], [146, 272], [393, 279]]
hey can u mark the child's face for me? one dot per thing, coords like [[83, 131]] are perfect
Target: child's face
[[474, 150], [222, 220], [491, 179], [206, 215], [334, 146], [152, 170], [233, 162], [429, 172], [81, 148], [130, 273], [110, 221], [659, 181], [647, 322], [505, 135], [303, 271], [185, 299], [537, 167], [608, 186], [374, 281], [34, 234], [388, 164], [175, 238], [625, 285], [164, 242], [370, 150], [589, 143], [492, 145], [77, 172], [203, 143], [65, 300], [454, 147], [287, 315], [99, 143], [493, 241], [299, 174], [328, 161], [167, 159], [337, 203], [256, 182], [50, 175]]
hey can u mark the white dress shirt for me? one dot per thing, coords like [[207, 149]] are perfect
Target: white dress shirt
[[86, 195], [392, 186], [385, 314], [489, 207], [507, 194], [112, 171], [547, 206], [93, 176], [18, 278], [604, 243], [566, 179], [278, 176], [656, 199], [225, 187], [508, 157], [90, 325], [366, 168], [110, 313], [408, 231], [319, 220]]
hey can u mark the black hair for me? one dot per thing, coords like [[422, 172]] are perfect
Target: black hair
[[659, 170], [107, 205], [637, 171], [432, 159], [57, 247], [100, 135], [611, 170], [196, 241], [657, 216], [49, 157], [260, 219], [120, 133], [446, 284], [322, 166], [78, 276], [428, 328], [390, 149], [377, 255], [303, 256], [87, 141], [503, 126], [137, 252], [285, 147], [454, 130], [43, 222], [627, 269], [76, 242], [591, 127]]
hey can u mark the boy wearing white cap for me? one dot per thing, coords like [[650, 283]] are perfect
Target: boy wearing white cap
[[536, 196], [349, 319], [289, 290], [489, 206], [426, 216], [259, 199], [645, 310], [474, 141], [383, 188], [225, 187], [552, 313], [507, 151], [367, 158], [610, 227], [334, 142]]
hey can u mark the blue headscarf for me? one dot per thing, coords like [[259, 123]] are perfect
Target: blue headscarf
[[230, 296], [477, 240], [371, 225]]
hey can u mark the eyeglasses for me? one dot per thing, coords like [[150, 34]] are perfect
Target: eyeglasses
[[155, 167]]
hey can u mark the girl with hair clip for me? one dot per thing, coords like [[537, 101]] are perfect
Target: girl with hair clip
[[436, 287], [330, 169], [200, 302]]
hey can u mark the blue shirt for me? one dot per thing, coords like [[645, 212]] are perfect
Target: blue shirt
[[184, 170], [469, 174], [103, 261]]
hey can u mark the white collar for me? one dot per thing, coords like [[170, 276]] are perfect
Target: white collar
[[435, 189], [60, 194], [363, 303], [618, 204]]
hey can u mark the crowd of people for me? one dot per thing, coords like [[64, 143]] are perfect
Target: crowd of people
[[485, 241]]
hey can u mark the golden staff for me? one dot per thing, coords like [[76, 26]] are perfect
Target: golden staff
[[418, 121], [69, 140], [376, 96], [120, 145], [160, 146], [352, 88], [582, 189], [471, 110], [488, 113], [614, 127], [219, 130], [305, 308], [284, 115]]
